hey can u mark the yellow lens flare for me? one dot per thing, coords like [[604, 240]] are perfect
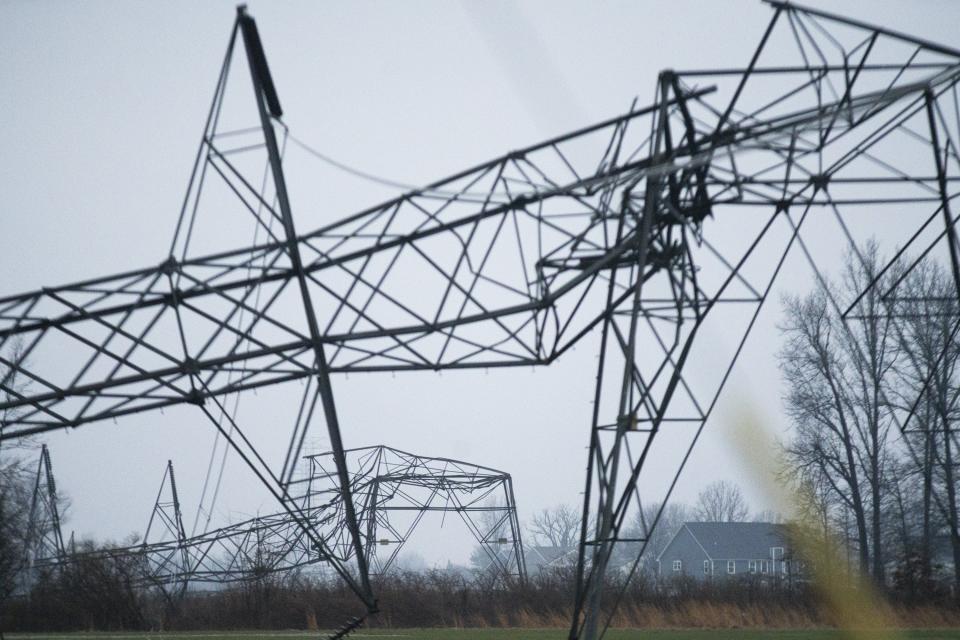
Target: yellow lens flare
[[849, 600]]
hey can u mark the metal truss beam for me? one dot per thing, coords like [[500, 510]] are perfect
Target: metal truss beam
[[658, 227], [394, 489]]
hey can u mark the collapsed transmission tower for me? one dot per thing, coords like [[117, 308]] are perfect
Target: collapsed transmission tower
[[661, 230], [393, 489]]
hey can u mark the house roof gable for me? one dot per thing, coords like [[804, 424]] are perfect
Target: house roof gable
[[675, 536]]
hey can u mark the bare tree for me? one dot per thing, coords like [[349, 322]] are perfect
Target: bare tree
[[558, 526], [835, 373], [927, 386], [15, 486], [874, 355], [721, 501], [822, 449], [813, 508], [15, 492]]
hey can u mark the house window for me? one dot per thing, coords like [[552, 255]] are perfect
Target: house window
[[752, 566], [785, 567], [764, 566], [731, 566], [677, 565], [707, 569], [776, 553]]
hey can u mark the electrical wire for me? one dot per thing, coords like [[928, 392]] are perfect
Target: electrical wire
[[395, 184]]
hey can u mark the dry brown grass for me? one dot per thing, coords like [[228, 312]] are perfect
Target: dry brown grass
[[437, 601]]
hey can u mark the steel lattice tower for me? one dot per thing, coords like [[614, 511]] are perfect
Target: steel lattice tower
[[393, 489], [659, 230]]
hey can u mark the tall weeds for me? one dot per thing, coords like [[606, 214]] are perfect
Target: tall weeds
[[431, 599]]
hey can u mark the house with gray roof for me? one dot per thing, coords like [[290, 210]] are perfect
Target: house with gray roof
[[539, 557], [725, 550]]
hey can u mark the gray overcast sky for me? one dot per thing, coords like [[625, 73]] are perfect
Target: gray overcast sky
[[102, 109]]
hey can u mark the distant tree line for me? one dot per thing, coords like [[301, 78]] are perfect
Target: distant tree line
[[887, 498]]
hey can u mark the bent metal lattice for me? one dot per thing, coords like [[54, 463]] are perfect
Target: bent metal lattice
[[662, 230]]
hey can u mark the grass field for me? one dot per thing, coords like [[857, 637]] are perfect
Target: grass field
[[496, 634]]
